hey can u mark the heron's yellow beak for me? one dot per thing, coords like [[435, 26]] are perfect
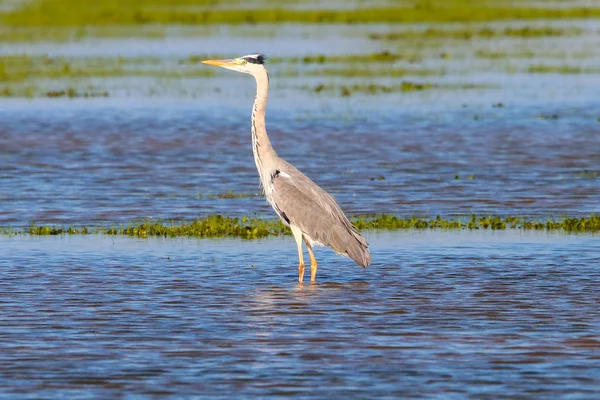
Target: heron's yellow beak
[[217, 63]]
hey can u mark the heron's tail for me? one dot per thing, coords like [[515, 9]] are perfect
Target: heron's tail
[[358, 250]]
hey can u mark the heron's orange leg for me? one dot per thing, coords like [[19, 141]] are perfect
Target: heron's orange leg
[[298, 236], [313, 261]]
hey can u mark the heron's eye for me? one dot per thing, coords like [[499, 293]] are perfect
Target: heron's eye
[[242, 62]]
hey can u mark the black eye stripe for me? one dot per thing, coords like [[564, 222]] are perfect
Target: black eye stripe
[[258, 59]]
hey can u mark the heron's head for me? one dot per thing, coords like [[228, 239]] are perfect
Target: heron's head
[[249, 64]]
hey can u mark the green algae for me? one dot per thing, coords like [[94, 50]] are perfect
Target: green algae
[[254, 228]]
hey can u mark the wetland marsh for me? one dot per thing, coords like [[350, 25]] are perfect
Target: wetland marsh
[[463, 138]]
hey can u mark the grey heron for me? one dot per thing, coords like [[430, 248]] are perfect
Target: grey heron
[[312, 214]]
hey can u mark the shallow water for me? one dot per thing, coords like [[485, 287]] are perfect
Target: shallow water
[[469, 314], [438, 314], [527, 145], [119, 163]]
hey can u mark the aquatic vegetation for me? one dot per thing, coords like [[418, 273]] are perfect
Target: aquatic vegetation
[[549, 116], [31, 91], [70, 92], [210, 227], [255, 228], [561, 69], [380, 57], [20, 68], [373, 89], [44, 76], [351, 71], [390, 222], [232, 195], [538, 53], [478, 33], [46, 13], [215, 226], [384, 56], [496, 55], [587, 174]]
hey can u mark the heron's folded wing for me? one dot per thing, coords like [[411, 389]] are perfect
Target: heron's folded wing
[[302, 205]]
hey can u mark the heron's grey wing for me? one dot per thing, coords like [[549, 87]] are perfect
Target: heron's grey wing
[[301, 202]]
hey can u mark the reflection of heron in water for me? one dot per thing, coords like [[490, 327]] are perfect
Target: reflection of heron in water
[[312, 214]]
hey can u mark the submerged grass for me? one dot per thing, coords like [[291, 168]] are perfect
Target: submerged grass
[[247, 228]]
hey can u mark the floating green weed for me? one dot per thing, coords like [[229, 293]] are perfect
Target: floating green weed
[[255, 228]]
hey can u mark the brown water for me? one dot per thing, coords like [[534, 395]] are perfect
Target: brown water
[[470, 314]]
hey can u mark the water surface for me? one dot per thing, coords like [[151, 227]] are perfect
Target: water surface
[[515, 143], [121, 163], [475, 314]]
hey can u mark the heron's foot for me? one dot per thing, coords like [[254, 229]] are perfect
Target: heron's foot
[[313, 271], [301, 272]]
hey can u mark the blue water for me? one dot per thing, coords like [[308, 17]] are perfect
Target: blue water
[[438, 314], [110, 164], [469, 314], [165, 146]]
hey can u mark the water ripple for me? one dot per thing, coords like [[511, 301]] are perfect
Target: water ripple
[[471, 314]]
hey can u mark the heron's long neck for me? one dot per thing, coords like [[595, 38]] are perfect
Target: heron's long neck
[[261, 145]]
